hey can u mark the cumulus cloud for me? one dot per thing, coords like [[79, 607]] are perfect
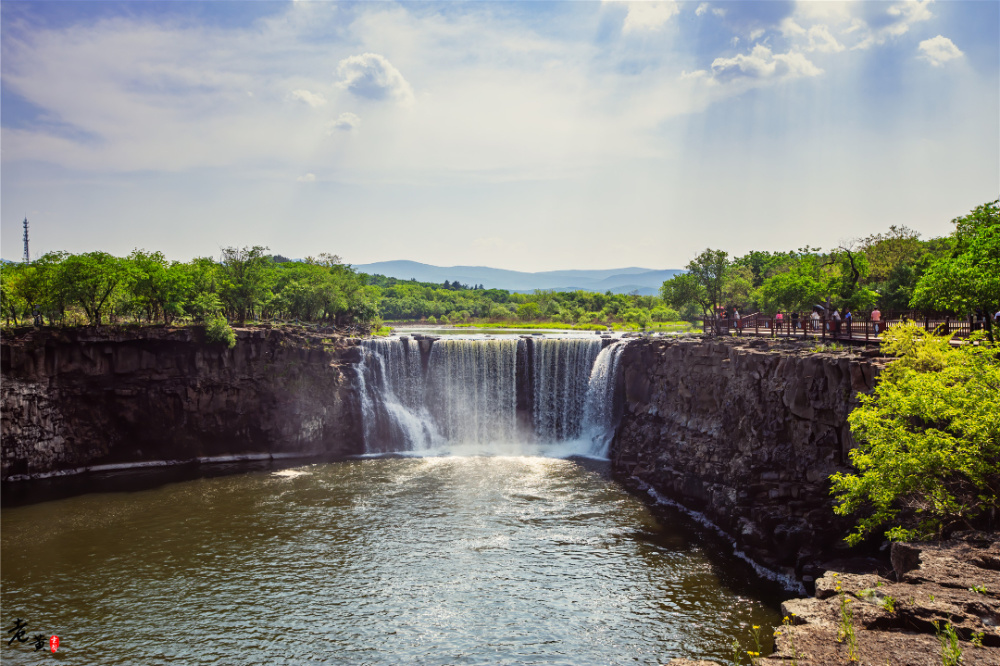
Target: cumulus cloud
[[761, 63], [307, 178], [820, 39], [895, 21], [939, 50], [644, 16], [345, 122], [371, 76], [314, 100]]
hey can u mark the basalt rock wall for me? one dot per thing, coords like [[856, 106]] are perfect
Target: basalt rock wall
[[747, 433], [73, 398]]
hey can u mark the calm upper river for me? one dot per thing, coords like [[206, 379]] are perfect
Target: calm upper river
[[435, 560]]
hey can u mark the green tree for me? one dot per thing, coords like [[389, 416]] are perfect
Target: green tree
[[528, 311], [710, 268], [928, 457], [684, 289], [794, 290], [245, 276], [970, 278], [94, 281], [158, 287]]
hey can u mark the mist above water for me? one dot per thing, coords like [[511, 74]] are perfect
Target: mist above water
[[490, 396]]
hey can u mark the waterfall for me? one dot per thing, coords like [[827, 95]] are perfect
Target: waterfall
[[421, 395], [561, 372], [600, 407]]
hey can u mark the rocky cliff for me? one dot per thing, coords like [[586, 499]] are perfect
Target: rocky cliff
[[747, 433], [74, 398]]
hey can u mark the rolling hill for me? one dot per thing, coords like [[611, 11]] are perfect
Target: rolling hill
[[645, 281]]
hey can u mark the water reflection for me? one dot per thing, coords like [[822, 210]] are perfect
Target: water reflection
[[437, 560]]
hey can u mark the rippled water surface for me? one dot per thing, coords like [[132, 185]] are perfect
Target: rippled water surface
[[437, 560]]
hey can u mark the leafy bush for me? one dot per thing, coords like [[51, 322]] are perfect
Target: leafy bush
[[217, 330], [928, 458]]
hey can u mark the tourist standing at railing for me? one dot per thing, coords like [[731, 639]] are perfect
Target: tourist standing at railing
[[795, 321], [836, 322], [815, 320], [876, 320], [876, 315], [996, 318], [736, 322]]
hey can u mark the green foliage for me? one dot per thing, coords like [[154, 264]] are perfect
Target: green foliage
[[928, 458], [146, 287], [528, 311], [245, 279], [94, 281], [796, 288], [951, 652], [970, 278], [218, 331], [846, 632]]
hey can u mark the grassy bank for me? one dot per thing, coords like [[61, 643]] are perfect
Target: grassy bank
[[670, 326]]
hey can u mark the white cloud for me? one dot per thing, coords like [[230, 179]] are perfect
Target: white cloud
[[649, 15], [314, 100], [901, 17], [821, 40], [371, 76], [789, 27], [307, 178], [345, 122], [761, 63], [938, 50], [702, 8]]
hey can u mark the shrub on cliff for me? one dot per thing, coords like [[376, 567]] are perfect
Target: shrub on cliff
[[928, 458], [217, 329]]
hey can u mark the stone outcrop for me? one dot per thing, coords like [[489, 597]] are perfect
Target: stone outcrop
[[73, 398], [956, 582], [747, 433]]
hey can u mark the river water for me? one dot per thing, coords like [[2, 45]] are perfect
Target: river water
[[419, 560]]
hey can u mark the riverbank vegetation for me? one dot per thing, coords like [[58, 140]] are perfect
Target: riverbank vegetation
[[246, 284]]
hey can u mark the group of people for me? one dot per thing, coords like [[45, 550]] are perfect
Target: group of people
[[730, 317], [837, 320]]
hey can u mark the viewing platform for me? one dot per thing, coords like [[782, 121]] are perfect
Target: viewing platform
[[853, 330]]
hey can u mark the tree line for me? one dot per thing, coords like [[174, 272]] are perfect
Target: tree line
[[894, 271], [409, 300], [144, 287]]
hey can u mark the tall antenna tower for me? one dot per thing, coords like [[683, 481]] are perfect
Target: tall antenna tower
[[27, 257]]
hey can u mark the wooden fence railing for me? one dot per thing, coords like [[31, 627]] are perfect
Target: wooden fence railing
[[824, 327]]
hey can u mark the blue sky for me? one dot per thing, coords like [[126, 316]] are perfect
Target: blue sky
[[530, 135]]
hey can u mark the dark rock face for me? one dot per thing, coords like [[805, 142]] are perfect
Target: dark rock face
[[77, 397], [747, 433]]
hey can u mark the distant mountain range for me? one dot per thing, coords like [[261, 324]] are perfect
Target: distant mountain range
[[645, 281]]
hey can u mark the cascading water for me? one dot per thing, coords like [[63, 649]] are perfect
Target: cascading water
[[562, 371], [420, 395]]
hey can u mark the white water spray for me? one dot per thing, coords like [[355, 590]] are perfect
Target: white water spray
[[449, 395]]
